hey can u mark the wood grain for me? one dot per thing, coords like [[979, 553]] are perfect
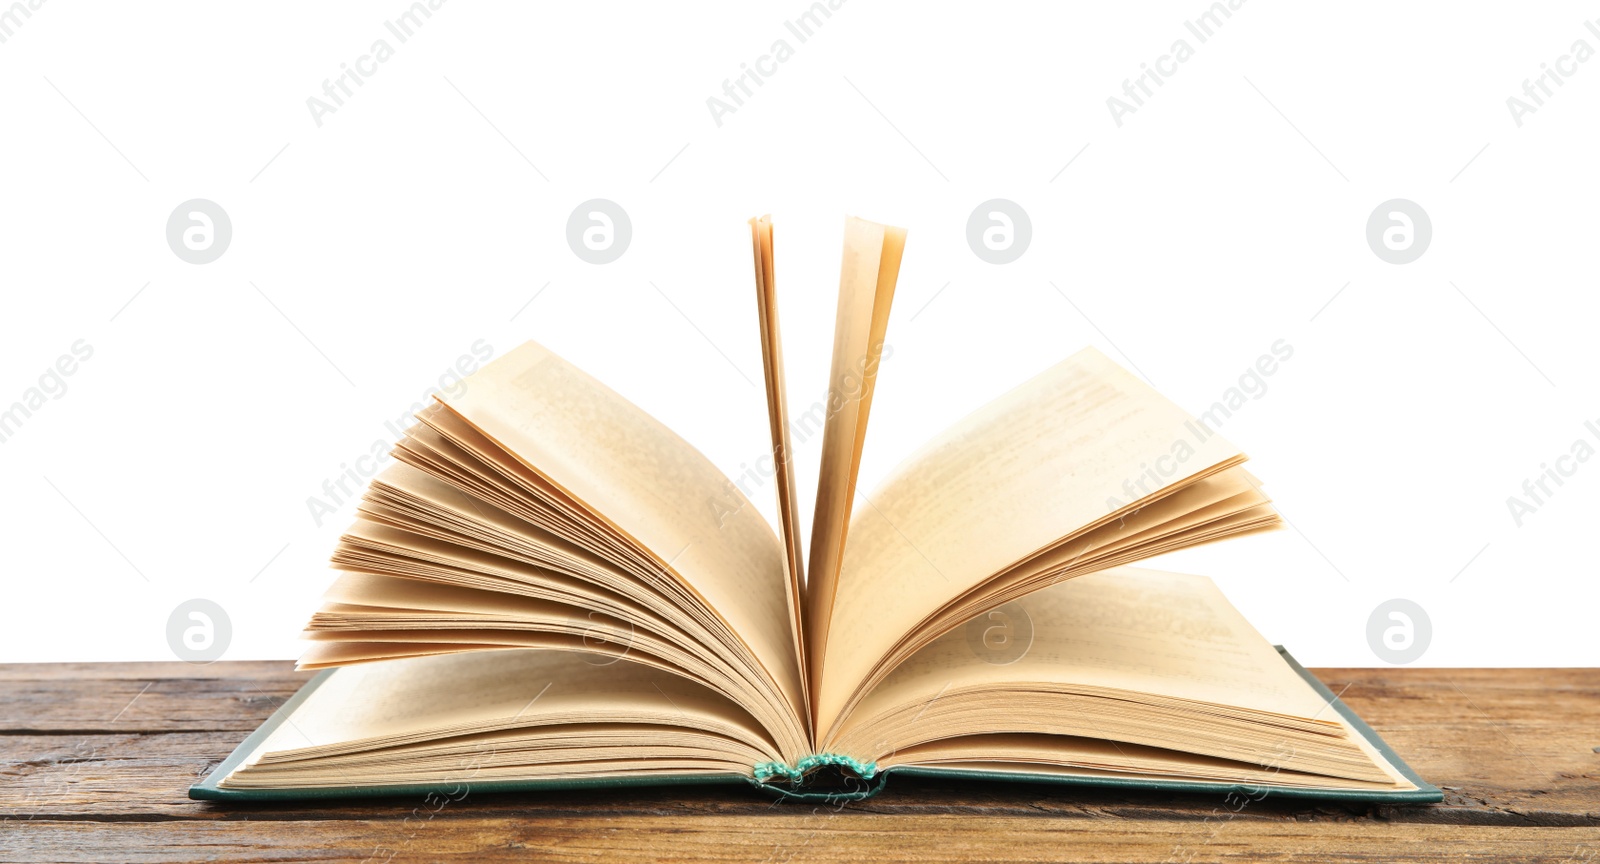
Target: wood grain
[[831, 837], [95, 761]]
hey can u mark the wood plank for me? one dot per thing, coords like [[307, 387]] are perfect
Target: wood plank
[[95, 761], [1518, 743], [147, 777], [140, 697], [795, 835], [1513, 747], [167, 670]]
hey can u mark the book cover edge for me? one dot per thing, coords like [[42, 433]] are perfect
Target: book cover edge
[[208, 789]]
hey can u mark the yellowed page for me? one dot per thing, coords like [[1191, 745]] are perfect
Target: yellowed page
[[1145, 631], [1061, 755], [1153, 658], [394, 615], [1217, 504], [761, 232], [870, 268], [1052, 458], [365, 713], [631, 472], [472, 517], [363, 706]]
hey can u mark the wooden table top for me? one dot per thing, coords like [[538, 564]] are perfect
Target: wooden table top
[[96, 760]]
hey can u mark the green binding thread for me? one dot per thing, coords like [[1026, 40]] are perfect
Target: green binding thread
[[766, 771]]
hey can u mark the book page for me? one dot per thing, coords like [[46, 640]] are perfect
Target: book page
[[632, 473], [871, 266], [377, 721], [1163, 634], [1122, 655], [372, 704], [1046, 756], [1054, 457], [778, 419]]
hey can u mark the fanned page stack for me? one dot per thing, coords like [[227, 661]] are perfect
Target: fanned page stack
[[550, 589]]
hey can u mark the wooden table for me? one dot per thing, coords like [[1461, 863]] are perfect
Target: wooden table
[[97, 759]]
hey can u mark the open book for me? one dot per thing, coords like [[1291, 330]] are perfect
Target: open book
[[551, 589]]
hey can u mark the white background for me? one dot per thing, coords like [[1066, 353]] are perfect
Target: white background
[[370, 252]]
